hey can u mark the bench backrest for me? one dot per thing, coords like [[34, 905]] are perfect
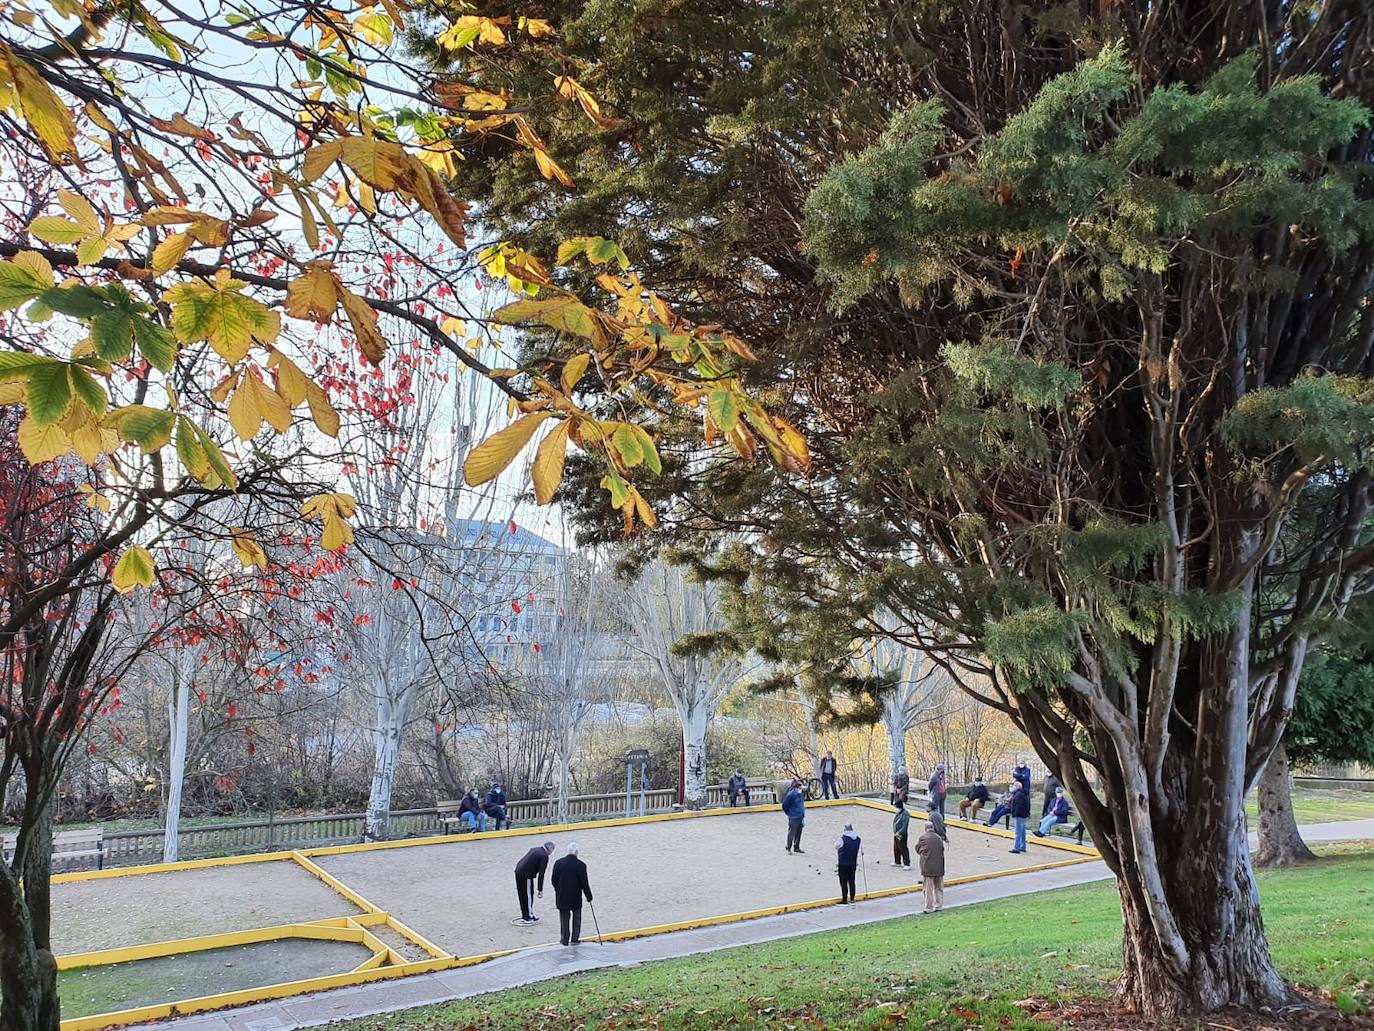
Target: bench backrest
[[77, 841], [448, 806]]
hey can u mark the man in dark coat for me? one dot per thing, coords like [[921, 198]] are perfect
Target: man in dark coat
[[937, 787], [901, 786], [1023, 775], [470, 812], [931, 848], [738, 786], [1052, 784], [829, 789], [530, 868], [1020, 813], [847, 862], [496, 805], [569, 886], [976, 798], [794, 806]]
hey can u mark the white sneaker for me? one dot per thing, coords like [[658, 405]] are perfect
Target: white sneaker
[[907, 867]]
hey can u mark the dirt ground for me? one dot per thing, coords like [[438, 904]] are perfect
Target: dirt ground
[[108, 913], [461, 895]]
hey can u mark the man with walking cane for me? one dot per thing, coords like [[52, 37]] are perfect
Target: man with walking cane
[[847, 862], [570, 884]]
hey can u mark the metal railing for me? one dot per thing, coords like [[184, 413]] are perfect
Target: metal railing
[[132, 848]]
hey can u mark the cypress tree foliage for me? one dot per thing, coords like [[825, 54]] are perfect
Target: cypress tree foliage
[[1073, 301]]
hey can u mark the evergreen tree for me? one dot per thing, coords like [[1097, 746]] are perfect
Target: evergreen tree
[[1073, 302]]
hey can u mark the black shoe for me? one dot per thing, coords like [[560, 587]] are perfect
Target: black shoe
[[800, 852]]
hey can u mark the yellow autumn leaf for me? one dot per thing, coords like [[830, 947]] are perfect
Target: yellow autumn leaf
[[248, 551], [82, 212], [489, 459], [42, 443], [547, 470], [170, 251], [573, 370], [314, 294], [42, 108], [135, 568], [216, 311], [363, 320]]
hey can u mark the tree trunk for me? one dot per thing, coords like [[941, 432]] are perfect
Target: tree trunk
[[178, 719], [896, 737], [377, 821], [564, 765], [28, 971], [694, 719], [1280, 844], [1215, 904]]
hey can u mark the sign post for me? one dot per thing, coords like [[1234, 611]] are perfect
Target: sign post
[[636, 757]]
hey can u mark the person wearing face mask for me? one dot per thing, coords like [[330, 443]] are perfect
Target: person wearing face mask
[[976, 798]]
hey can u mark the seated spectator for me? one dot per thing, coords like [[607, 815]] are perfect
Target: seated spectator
[[973, 801], [470, 812], [1058, 813], [738, 786], [1002, 809], [496, 804]]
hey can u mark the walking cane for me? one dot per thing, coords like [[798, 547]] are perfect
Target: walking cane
[[863, 862], [595, 924]]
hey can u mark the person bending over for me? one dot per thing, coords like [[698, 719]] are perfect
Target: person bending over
[[531, 867]]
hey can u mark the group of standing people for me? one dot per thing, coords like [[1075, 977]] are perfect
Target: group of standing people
[[930, 851]]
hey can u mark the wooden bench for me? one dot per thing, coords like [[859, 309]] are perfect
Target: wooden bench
[[449, 809], [761, 792], [71, 850]]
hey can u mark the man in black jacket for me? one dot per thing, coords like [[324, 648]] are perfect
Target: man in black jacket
[[569, 885], [531, 866], [496, 805], [828, 768]]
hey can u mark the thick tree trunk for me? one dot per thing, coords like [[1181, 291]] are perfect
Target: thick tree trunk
[[178, 720], [1215, 904], [896, 738], [377, 821], [28, 971], [694, 720], [1280, 844]]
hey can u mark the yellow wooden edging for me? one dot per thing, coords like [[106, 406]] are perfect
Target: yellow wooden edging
[[245, 996], [385, 962], [954, 821], [336, 884], [324, 930], [188, 864], [416, 939]]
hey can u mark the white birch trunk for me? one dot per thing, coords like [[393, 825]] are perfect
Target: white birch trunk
[[895, 726], [390, 722], [695, 716], [178, 720]]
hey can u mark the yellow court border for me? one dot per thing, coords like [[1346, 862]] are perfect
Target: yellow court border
[[386, 963]]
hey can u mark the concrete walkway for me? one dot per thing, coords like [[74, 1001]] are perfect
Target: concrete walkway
[[554, 961]]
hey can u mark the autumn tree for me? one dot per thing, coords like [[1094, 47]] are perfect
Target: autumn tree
[[1072, 303], [677, 620]]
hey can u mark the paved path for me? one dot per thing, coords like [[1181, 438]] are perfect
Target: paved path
[[554, 961]]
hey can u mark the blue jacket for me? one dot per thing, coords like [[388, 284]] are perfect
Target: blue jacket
[[1023, 775], [495, 798], [794, 805], [847, 854], [1060, 810]]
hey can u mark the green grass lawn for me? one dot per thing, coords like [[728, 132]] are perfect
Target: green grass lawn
[[963, 968], [1323, 805]]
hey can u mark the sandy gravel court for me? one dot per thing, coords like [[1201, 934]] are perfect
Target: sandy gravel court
[[461, 894], [108, 913]]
